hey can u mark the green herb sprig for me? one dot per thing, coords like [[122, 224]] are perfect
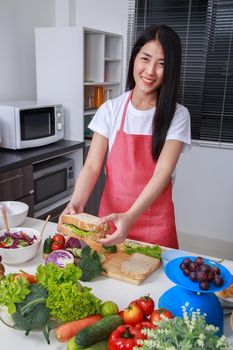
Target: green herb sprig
[[188, 333]]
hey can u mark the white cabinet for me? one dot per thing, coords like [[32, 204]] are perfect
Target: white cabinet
[[70, 63]]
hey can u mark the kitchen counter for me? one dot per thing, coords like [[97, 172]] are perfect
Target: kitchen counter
[[104, 288], [11, 159]]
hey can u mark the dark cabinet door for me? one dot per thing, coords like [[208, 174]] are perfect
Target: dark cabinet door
[[16, 184], [92, 206]]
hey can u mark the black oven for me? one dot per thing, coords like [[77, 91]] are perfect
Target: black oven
[[53, 179]]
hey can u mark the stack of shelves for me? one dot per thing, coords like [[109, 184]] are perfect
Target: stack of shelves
[[102, 68]]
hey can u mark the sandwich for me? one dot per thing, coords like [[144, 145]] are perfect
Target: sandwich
[[84, 226]]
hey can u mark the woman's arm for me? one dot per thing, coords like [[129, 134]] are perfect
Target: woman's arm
[[161, 177], [88, 175]]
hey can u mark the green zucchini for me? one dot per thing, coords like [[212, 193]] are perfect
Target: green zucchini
[[98, 331], [100, 345], [109, 248]]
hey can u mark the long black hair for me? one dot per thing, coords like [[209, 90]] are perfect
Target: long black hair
[[167, 93]]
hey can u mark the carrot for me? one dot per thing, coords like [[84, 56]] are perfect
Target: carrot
[[68, 330], [31, 278]]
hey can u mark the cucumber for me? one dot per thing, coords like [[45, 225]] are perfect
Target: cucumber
[[101, 345], [47, 245], [109, 248], [98, 331]]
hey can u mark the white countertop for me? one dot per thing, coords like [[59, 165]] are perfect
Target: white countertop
[[104, 288]]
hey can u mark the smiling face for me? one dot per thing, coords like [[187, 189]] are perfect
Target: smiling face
[[148, 68]]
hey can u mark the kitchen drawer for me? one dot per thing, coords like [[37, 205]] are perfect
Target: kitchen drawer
[[17, 183]]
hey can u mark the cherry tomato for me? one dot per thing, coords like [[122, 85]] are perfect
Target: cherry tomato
[[58, 242], [133, 314], [147, 305], [120, 313], [145, 324], [31, 278], [159, 315]]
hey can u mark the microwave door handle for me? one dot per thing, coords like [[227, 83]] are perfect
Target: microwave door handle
[[18, 176]]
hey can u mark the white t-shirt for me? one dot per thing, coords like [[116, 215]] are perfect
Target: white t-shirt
[[107, 121]]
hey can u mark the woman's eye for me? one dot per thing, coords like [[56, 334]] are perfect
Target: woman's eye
[[145, 59], [161, 64]]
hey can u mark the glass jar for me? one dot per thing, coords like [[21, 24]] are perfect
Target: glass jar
[[98, 96]]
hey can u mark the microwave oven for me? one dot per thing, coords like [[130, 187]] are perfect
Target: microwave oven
[[26, 124], [52, 179]]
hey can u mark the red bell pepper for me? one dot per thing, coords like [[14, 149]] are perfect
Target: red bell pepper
[[124, 337]]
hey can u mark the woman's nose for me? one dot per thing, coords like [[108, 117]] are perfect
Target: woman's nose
[[151, 69]]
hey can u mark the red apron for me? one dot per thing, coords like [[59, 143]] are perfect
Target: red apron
[[129, 168]]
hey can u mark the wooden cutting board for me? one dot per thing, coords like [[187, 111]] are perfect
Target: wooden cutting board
[[113, 261]]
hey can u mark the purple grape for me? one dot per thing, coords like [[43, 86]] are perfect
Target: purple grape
[[218, 281], [193, 266], [205, 268], [216, 270], [211, 276], [186, 261], [199, 261], [182, 266], [202, 276], [193, 276], [204, 285], [186, 272]]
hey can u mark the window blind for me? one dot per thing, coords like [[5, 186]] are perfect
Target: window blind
[[206, 32]]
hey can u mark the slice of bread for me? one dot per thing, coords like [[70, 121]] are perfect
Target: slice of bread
[[139, 264], [226, 293], [86, 222]]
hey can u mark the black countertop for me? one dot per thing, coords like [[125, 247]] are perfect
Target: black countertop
[[11, 159]]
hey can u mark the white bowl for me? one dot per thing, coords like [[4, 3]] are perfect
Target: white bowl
[[16, 213], [15, 256]]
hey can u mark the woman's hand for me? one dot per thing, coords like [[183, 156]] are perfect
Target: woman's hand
[[122, 222], [71, 208]]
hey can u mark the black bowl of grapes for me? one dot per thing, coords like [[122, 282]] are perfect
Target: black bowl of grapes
[[198, 274]]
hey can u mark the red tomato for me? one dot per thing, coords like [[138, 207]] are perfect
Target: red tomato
[[159, 315], [147, 305], [124, 337], [120, 313], [31, 278], [133, 314], [145, 324], [58, 242]]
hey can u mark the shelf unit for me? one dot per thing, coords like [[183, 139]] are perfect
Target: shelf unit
[[70, 63], [102, 67]]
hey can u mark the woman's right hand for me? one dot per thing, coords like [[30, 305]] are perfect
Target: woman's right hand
[[71, 208]]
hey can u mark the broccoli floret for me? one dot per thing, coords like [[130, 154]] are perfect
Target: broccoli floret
[[32, 313], [90, 264]]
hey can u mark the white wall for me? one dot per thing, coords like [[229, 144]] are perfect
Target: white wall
[[18, 19], [106, 15], [203, 193]]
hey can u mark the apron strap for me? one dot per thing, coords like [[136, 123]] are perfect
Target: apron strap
[[124, 111]]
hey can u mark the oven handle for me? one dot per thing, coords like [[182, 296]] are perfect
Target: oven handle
[[16, 177]]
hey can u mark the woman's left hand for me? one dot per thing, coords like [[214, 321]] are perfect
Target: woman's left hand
[[122, 222]]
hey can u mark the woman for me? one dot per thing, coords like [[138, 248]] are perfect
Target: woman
[[145, 131]]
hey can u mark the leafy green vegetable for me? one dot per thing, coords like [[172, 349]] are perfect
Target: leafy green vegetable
[[68, 303], [32, 313], [67, 299], [151, 250], [13, 290], [77, 231], [52, 274], [90, 264]]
